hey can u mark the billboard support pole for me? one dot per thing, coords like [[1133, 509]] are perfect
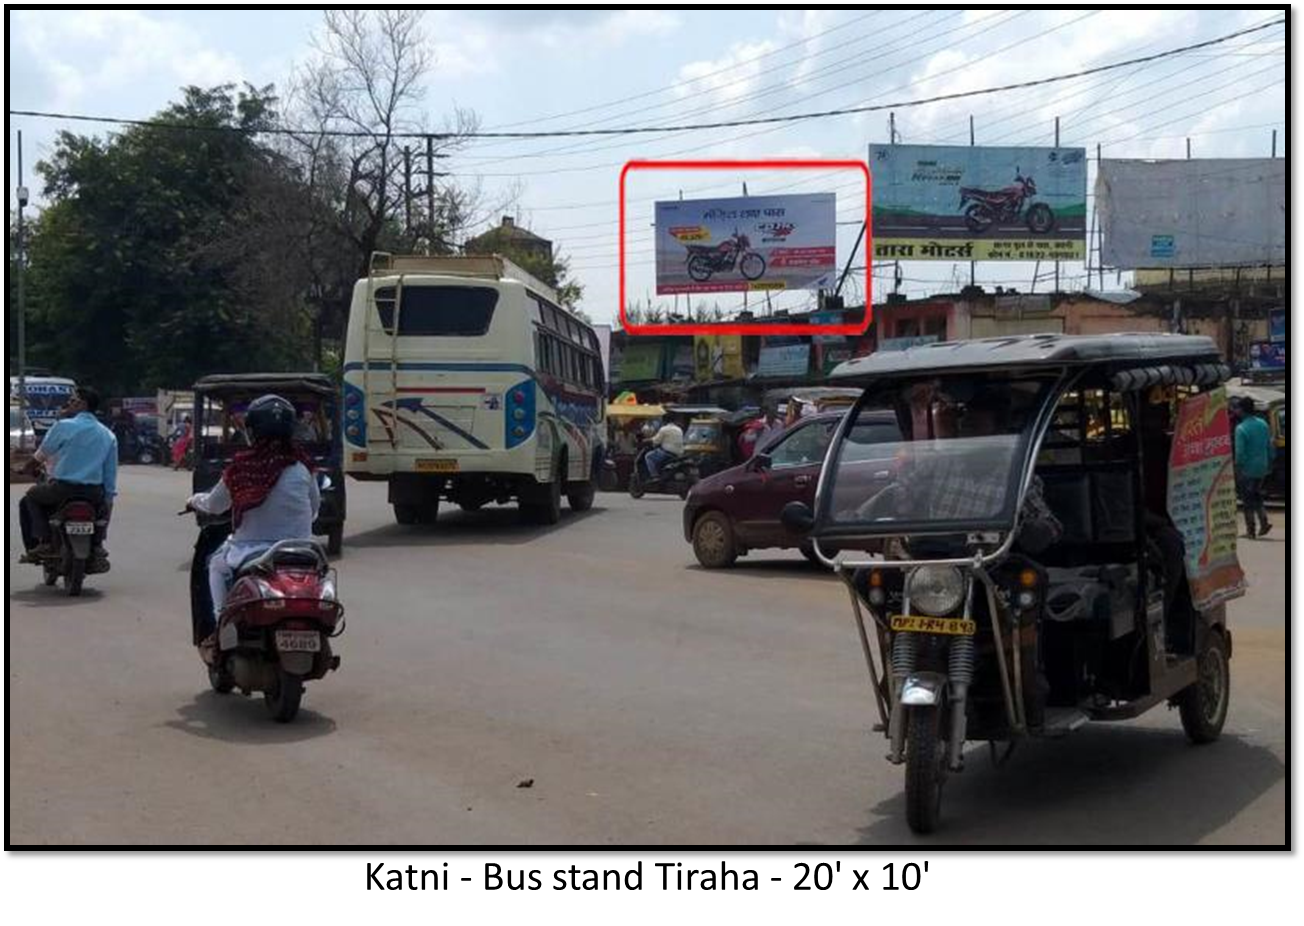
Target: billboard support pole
[[1057, 263], [852, 256], [1274, 143], [1100, 244], [972, 264]]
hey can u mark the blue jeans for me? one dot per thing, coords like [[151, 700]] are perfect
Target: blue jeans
[[654, 460]]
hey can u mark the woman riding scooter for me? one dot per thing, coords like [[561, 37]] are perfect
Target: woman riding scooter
[[271, 494]]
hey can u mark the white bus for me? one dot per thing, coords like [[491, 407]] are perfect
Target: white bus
[[46, 397], [465, 380]]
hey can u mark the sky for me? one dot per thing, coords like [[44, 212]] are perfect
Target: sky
[[538, 69]]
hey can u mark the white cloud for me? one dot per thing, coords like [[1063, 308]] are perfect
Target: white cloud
[[76, 58]]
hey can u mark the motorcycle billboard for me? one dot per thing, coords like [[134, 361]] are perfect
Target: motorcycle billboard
[[952, 202], [746, 244], [1203, 212]]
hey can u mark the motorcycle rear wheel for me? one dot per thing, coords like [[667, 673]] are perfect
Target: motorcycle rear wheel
[[699, 268], [282, 702], [978, 218], [73, 575]]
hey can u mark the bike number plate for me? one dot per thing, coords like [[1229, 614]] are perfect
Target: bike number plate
[[78, 527], [955, 626], [298, 641]]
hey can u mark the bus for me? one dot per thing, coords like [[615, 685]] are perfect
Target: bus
[[46, 398], [466, 381]]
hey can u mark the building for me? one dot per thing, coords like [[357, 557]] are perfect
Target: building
[[509, 238]]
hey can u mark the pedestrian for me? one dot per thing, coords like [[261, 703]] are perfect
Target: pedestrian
[[1254, 452], [181, 438]]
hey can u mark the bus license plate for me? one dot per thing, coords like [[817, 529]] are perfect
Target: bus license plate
[[436, 466], [298, 641], [956, 626], [78, 527]]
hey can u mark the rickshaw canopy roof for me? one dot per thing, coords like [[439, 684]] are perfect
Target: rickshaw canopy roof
[[316, 383], [621, 410], [1032, 351], [698, 411]]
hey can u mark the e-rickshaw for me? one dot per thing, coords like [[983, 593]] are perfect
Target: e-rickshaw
[[1054, 539], [711, 437], [220, 402]]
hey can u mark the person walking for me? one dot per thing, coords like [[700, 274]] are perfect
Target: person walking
[[1254, 452]]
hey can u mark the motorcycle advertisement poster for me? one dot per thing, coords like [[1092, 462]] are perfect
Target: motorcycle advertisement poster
[[746, 244], [1202, 498], [960, 202]]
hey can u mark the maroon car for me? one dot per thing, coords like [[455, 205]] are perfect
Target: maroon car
[[737, 510]]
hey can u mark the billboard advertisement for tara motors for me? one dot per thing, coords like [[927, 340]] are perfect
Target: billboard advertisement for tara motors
[[746, 244], [952, 202]]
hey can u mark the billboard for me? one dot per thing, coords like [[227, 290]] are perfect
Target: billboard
[[953, 202], [746, 244], [1203, 212], [1277, 325], [1266, 355]]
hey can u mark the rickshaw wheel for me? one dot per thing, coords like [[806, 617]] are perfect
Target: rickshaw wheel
[[925, 771], [1203, 705]]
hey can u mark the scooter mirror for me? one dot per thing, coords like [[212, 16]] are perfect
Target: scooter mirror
[[797, 517], [323, 481]]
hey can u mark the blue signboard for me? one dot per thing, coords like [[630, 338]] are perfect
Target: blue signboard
[[1163, 246], [788, 360]]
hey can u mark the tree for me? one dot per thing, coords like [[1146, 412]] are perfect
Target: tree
[[147, 267], [539, 263], [366, 85]]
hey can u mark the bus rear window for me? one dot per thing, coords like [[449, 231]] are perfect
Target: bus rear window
[[438, 311]]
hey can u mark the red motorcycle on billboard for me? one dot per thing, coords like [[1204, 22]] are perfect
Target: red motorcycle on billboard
[[705, 260], [1009, 204]]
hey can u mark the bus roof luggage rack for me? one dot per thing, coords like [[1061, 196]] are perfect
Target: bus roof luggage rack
[[482, 266]]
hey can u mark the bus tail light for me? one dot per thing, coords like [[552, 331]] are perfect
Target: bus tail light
[[520, 413], [355, 403]]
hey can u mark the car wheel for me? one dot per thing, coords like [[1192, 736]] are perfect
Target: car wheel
[[713, 541]]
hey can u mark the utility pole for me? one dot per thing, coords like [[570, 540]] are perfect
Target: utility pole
[[973, 264], [430, 190], [22, 305], [1274, 143], [1100, 244]]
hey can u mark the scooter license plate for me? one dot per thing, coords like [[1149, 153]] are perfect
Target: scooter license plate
[[78, 527], [298, 641], [955, 626]]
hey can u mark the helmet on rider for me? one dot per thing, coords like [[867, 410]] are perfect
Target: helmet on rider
[[270, 417]]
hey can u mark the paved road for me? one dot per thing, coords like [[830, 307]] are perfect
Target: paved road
[[650, 701]]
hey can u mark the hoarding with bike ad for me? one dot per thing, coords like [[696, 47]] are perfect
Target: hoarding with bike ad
[[746, 244], [959, 203]]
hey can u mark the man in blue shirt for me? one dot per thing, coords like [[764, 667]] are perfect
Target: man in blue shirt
[[1254, 453], [81, 457]]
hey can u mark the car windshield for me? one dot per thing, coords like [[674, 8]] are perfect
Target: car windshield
[[954, 462]]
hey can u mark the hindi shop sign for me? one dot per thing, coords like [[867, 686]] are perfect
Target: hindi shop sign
[[1202, 498], [746, 244]]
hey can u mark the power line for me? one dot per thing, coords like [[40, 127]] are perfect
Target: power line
[[641, 130]]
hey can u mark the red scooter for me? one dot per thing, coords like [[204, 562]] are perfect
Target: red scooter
[[987, 207], [276, 625]]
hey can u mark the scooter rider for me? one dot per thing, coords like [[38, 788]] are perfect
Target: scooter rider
[[667, 445], [269, 490]]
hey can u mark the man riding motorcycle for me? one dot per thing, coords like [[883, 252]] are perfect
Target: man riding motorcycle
[[667, 444], [269, 490], [81, 456]]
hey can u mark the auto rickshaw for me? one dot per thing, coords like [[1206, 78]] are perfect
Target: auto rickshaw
[[1054, 539], [220, 402], [711, 438]]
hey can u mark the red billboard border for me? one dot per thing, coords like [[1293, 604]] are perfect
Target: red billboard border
[[708, 328]]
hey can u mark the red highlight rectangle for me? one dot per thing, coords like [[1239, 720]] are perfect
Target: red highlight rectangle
[[753, 328]]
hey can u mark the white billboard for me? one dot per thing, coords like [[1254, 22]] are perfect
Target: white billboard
[[1203, 212], [746, 244]]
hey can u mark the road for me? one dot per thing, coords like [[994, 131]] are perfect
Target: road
[[650, 701]]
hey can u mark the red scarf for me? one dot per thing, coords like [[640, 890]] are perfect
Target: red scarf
[[253, 472]]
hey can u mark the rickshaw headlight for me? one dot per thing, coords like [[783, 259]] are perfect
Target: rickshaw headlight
[[935, 590]]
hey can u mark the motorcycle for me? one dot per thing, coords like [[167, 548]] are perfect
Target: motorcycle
[[275, 628], [675, 476], [987, 207], [77, 531], [707, 260]]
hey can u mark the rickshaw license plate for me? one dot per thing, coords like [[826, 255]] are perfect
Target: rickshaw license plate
[[436, 466], [956, 626], [298, 641]]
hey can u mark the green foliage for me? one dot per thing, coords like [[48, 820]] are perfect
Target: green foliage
[[553, 270]]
